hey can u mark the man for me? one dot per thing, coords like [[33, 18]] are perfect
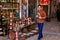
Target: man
[[40, 15]]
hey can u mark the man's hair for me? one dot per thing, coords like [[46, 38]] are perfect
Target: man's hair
[[39, 5]]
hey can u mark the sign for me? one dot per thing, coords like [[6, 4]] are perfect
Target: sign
[[44, 2]]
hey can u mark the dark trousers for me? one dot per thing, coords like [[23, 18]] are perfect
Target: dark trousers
[[40, 28]]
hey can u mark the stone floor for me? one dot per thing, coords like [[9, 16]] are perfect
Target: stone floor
[[53, 26], [51, 31], [46, 37]]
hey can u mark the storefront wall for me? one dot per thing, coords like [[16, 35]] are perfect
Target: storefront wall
[[54, 4], [50, 8], [46, 7], [29, 9]]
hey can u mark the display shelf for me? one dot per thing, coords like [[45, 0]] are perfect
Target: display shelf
[[9, 0], [9, 8], [0, 20], [5, 19], [32, 23], [0, 23], [27, 28], [1, 29]]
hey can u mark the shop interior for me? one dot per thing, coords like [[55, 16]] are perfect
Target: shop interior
[[19, 16]]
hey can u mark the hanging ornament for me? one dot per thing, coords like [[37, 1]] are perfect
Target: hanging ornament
[[44, 2]]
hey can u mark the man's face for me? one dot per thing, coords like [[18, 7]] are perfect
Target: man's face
[[39, 8]]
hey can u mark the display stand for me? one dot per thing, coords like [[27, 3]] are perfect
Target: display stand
[[23, 8], [7, 6], [1, 27], [11, 8]]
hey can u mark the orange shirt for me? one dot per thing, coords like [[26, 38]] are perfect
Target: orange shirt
[[43, 16]]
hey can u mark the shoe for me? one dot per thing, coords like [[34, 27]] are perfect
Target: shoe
[[38, 39], [41, 37]]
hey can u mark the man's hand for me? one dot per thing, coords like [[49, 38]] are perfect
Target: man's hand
[[40, 17], [36, 16]]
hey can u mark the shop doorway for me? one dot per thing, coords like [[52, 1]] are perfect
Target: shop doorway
[[32, 8]]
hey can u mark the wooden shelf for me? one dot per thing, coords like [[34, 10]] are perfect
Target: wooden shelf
[[9, 8], [0, 23], [30, 24], [5, 19], [10, 2], [27, 27]]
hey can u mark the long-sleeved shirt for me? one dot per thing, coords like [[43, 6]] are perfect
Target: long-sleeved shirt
[[41, 18]]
